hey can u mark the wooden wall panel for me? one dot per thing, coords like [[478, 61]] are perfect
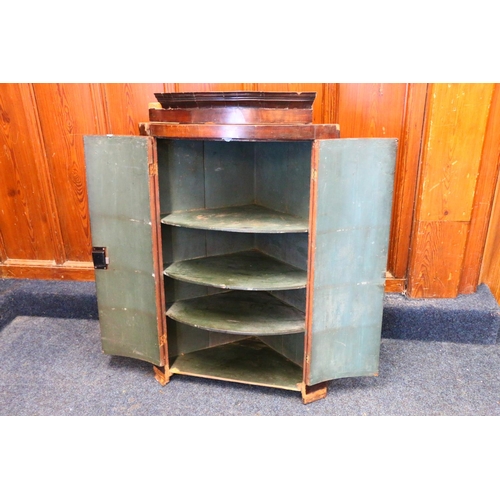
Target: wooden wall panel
[[28, 219], [68, 112], [490, 271], [484, 194], [436, 260], [212, 87], [456, 121], [371, 109], [446, 171], [298, 87], [127, 105], [405, 181], [389, 110], [453, 144]]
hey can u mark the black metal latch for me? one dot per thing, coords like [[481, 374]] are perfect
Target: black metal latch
[[100, 257]]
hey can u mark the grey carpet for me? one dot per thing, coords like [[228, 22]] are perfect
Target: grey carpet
[[51, 364]]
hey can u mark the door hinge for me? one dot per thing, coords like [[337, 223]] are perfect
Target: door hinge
[[100, 257], [152, 158], [153, 169]]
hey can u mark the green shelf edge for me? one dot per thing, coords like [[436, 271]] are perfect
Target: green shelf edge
[[247, 270], [239, 313], [241, 219]]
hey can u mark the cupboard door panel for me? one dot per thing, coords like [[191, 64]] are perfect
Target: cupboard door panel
[[352, 199], [120, 203]]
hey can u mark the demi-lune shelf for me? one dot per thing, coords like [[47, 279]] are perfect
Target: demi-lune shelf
[[248, 270], [246, 360], [239, 312], [241, 219]]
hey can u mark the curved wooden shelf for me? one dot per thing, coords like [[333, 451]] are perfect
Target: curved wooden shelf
[[242, 219], [249, 270], [241, 313]]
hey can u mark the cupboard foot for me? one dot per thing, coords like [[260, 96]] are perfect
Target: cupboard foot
[[162, 375], [311, 393]]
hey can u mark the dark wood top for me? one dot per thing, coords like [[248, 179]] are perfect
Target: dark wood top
[[233, 107], [263, 132], [283, 100]]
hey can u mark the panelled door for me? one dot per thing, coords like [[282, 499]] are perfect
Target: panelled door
[[349, 236], [122, 191]]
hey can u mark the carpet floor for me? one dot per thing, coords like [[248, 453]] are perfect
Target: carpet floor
[[54, 366]]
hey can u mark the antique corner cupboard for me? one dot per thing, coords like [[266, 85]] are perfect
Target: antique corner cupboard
[[235, 240]]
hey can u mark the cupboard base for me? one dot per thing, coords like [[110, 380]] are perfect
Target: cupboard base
[[246, 361]]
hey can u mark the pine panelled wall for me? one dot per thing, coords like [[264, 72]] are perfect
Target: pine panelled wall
[[445, 232]]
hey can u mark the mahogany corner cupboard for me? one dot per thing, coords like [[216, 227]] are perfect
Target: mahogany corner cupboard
[[236, 240]]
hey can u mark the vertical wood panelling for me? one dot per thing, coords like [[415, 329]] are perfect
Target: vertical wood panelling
[[406, 179], [490, 271], [77, 114], [127, 105], [446, 172], [371, 109], [391, 110], [456, 121], [212, 87], [330, 105], [456, 126], [483, 201], [28, 219], [436, 259], [298, 87]]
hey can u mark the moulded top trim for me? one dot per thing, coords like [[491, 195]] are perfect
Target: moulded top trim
[[282, 100]]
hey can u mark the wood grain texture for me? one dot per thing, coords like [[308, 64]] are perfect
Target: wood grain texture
[[330, 103], [242, 132], [483, 201], [371, 109], [47, 270], [436, 261], [490, 270], [455, 127], [405, 181], [76, 115], [298, 87], [127, 105], [212, 87], [29, 222], [235, 115], [389, 110], [453, 142]]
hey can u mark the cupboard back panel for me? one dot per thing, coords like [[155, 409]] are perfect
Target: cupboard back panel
[[198, 174], [183, 339], [290, 248], [282, 176]]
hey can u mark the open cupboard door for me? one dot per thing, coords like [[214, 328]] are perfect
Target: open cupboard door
[[122, 193], [352, 184]]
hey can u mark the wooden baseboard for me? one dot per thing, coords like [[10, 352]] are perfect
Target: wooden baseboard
[[47, 270], [394, 285]]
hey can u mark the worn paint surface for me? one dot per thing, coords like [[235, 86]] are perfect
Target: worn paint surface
[[118, 189], [244, 219], [354, 200], [254, 313], [247, 361], [250, 270]]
